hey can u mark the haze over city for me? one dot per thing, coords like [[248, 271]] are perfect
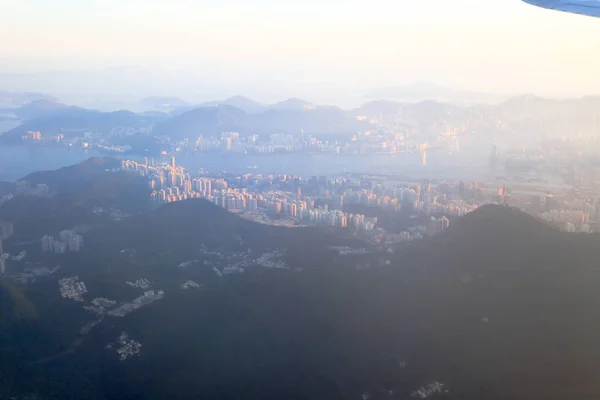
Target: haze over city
[[338, 200], [330, 52]]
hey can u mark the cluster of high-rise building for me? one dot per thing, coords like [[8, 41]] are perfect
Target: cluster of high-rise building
[[322, 201], [379, 141], [569, 220], [68, 241], [337, 218], [384, 142], [233, 142], [33, 135], [217, 191], [297, 200], [294, 197]]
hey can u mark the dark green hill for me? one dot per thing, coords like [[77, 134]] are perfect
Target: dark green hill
[[76, 191], [501, 306], [499, 238], [74, 176], [34, 217], [183, 228]]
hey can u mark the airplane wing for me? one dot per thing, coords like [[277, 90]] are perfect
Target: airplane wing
[[583, 7]]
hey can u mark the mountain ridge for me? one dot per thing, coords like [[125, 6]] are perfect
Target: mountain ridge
[[215, 120], [181, 227], [40, 108], [244, 115]]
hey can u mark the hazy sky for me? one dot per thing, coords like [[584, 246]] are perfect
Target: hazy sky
[[485, 45]]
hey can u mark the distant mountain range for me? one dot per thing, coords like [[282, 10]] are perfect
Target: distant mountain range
[[284, 118], [40, 109], [243, 103], [252, 107], [175, 119], [534, 107], [115, 88], [521, 114], [54, 118], [234, 114]]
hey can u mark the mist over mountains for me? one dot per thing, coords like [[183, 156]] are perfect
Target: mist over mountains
[[279, 119], [177, 119], [119, 87]]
